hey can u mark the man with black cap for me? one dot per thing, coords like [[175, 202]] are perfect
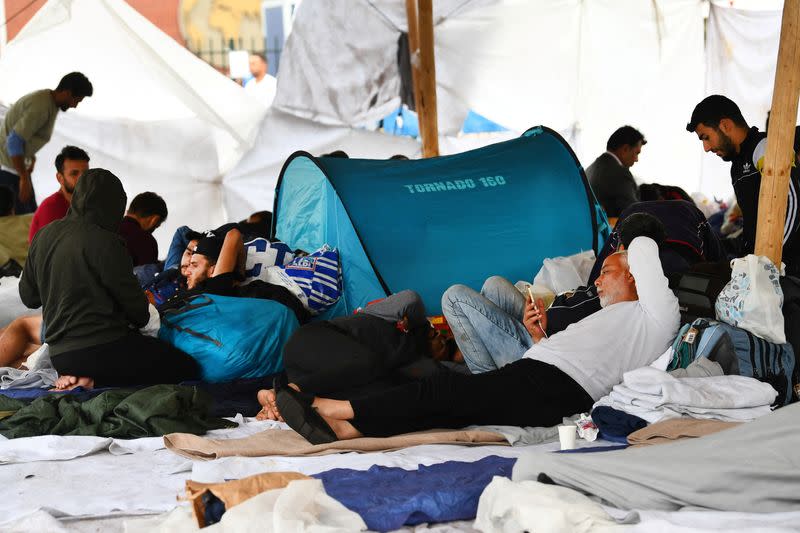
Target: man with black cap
[[217, 267], [80, 273]]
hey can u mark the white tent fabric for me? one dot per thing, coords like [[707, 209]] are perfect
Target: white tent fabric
[[160, 118], [741, 57], [165, 121], [641, 64], [250, 186], [582, 67]]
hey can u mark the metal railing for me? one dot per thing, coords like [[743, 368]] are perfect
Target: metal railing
[[214, 51]]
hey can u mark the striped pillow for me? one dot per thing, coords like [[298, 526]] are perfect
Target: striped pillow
[[319, 276]]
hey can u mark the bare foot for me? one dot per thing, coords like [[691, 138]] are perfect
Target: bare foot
[[64, 383], [269, 409], [344, 430]]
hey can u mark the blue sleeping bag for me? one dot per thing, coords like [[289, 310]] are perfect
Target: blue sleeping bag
[[389, 497], [230, 337]]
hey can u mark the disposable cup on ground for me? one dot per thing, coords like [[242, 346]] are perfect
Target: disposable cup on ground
[[567, 434]]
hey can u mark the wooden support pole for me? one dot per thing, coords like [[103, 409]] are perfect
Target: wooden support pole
[[780, 138], [413, 49], [426, 81]]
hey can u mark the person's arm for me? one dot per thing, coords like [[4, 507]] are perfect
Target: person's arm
[[15, 147], [176, 247], [759, 154], [652, 285], [231, 254], [30, 121], [535, 319], [115, 269], [626, 191]]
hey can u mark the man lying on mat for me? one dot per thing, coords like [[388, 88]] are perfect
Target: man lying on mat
[[557, 377]]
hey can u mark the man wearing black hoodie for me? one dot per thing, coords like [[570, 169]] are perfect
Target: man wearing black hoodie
[[79, 271]]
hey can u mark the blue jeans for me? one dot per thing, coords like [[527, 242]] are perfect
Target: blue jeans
[[487, 326]]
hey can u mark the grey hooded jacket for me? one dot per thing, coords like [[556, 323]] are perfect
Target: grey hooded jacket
[[79, 271]]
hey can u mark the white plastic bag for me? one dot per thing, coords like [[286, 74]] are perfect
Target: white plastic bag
[[753, 298], [561, 274]]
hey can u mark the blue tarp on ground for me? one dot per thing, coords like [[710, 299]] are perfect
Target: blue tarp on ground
[[389, 497], [427, 224]]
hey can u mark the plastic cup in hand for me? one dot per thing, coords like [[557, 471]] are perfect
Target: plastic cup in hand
[[567, 434]]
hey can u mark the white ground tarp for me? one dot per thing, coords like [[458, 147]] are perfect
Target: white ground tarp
[[160, 118]]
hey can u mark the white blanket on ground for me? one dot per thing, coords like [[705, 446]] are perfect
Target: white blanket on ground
[[15, 378], [61, 448], [302, 506], [654, 395], [145, 480], [531, 506]]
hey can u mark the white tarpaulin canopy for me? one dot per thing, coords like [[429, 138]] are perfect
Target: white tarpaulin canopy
[[584, 67], [165, 121], [160, 118]]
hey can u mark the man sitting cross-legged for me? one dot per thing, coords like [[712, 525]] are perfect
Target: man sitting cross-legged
[[557, 377], [79, 272]]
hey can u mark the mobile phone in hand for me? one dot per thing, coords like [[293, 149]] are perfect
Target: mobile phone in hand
[[536, 308]]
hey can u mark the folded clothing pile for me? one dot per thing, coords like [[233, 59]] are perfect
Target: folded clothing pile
[[654, 395]]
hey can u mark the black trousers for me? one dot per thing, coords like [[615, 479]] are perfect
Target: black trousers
[[132, 360], [7, 179], [523, 393], [322, 359]]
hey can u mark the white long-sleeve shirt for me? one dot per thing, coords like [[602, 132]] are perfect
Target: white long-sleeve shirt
[[599, 349]]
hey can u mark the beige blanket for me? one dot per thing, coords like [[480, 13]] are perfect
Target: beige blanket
[[234, 492], [676, 429], [290, 443]]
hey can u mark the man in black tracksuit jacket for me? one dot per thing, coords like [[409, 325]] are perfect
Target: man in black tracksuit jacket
[[719, 124]]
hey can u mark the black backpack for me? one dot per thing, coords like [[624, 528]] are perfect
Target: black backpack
[[697, 290]]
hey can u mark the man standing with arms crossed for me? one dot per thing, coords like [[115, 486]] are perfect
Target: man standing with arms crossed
[[27, 127]]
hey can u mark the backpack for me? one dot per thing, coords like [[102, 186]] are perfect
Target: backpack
[[230, 337], [698, 289], [738, 352]]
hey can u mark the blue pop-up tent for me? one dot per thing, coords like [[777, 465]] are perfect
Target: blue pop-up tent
[[430, 223]]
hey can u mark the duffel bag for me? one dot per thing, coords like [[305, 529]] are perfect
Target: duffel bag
[[230, 337]]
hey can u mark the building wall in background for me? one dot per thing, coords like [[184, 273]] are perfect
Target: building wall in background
[[208, 28], [171, 16]]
